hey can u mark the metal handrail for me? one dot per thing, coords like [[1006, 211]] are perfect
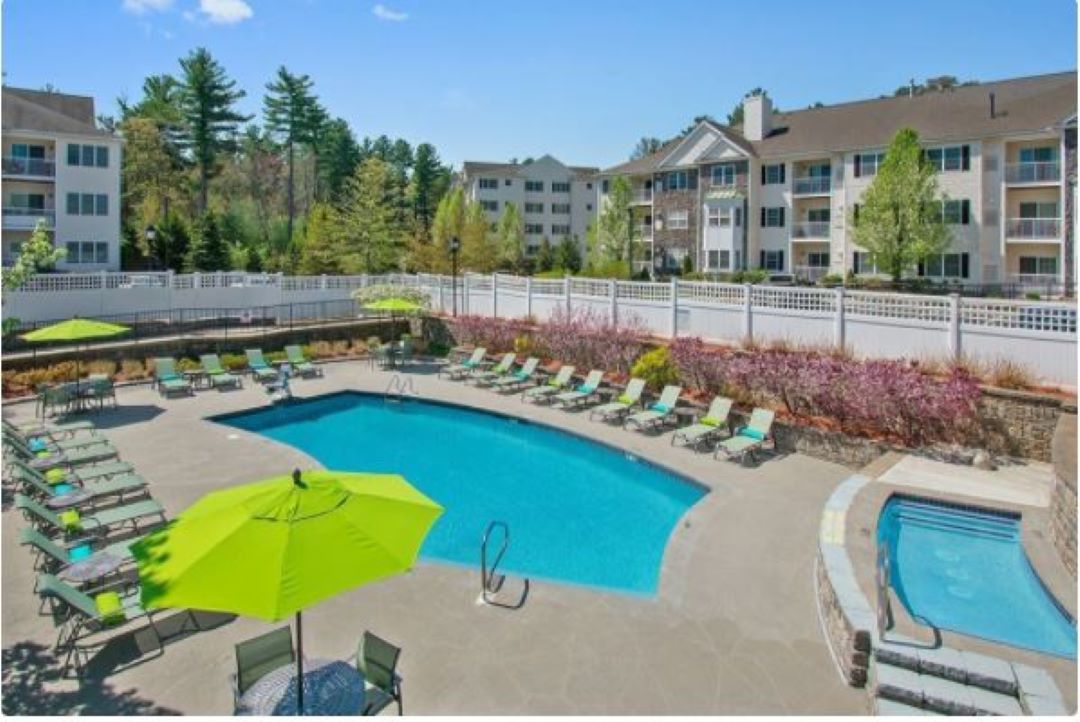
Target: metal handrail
[[883, 579], [490, 580], [399, 387], [1033, 172]]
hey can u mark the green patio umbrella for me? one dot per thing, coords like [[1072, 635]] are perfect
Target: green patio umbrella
[[392, 306], [272, 548], [75, 329]]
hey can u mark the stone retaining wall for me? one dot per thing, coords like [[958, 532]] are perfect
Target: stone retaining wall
[[832, 446], [851, 646], [1063, 501], [1019, 423]]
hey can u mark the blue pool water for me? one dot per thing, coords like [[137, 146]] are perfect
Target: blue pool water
[[965, 570], [578, 511]]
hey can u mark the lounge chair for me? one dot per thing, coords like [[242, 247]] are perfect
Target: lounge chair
[[376, 659], [46, 460], [708, 426], [748, 439], [260, 370], [583, 394], [168, 380], [217, 374], [621, 406], [117, 486], [47, 443], [556, 384], [50, 430], [60, 554], [456, 371], [80, 476], [521, 377], [103, 521], [257, 657], [481, 377], [658, 413], [300, 362]]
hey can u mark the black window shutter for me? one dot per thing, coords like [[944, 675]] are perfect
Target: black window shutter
[[763, 216], [781, 261], [922, 269], [781, 209], [762, 263], [965, 212], [762, 175], [964, 264], [858, 165], [856, 214], [965, 152], [783, 177]]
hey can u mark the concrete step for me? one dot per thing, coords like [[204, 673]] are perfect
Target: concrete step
[[938, 694], [978, 670], [889, 708]]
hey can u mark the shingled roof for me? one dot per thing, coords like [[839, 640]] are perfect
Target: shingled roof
[[48, 112], [474, 168]]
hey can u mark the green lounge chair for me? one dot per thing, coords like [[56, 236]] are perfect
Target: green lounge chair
[[217, 374], [60, 554], [456, 371], [70, 459], [660, 412], [37, 444], [708, 426], [481, 377], [583, 394], [257, 657], [81, 476], [376, 660], [103, 521], [621, 406], [168, 380], [748, 439], [521, 377], [117, 486], [303, 367], [51, 430], [261, 370], [556, 384]]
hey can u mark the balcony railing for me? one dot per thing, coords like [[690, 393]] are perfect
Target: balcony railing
[[37, 167], [26, 218], [1034, 228], [738, 184], [811, 273], [644, 232], [641, 195], [1034, 279], [813, 229], [812, 186], [1032, 172]]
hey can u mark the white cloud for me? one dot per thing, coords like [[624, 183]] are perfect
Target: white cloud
[[384, 13], [225, 12], [140, 7]]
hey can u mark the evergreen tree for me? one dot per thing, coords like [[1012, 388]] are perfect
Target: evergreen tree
[[425, 187], [206, 98], [338, 155], [372, 237], [209, 252], [480, 250], [322, 247], [152, 179], [290, 110], [511, 238], [171, 242], [567, 255], [646, 146], [545, 256]]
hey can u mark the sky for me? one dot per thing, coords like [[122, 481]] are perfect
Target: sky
[[496, 79]]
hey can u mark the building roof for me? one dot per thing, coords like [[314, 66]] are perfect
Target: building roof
[[474, 168], [645, 164], [37, 110]]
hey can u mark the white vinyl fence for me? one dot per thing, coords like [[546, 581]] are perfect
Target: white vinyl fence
[[1041, 336]]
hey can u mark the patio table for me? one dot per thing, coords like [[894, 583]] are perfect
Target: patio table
[[331, 687], [71, 498], [95, 566], [686, 415], [197, 377]]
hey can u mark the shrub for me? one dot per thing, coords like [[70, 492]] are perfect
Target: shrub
[[656, 367], [587, 339], [133, 369], [831, 279], [100, 366], [190, 364], [233, 361], [497, 335], [1008, 374], [380, 292], [753, 275], [1032, 296]]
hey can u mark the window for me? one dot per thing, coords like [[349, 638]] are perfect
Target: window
[[818, 215], [723, 175], [489, 184], [772, 260], [87, 252], [101, 156], [508, 182], [945, 265], [772, 217], [534, 186], [588, 206], [1038, 155], [1046, 209], [560, 187], [1038, 265], [30, 201], [101, 205], [679, 220], [714, 217], [955, 212], [490, 205], [867, 164], [676, 181], [725, 259], [559, 229], [87, 155], [534, 229], [25, 150], [772, 174], [86, 208], [101, 253], [817, 260], [72, 207], [87, 158], [950, 158], [604, 187], [73, 154], [588, 186], [562, 209], [714, 259], [821, 170], [863, 263], [534, 207]]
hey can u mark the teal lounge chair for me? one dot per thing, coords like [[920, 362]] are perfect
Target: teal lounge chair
[[36, 485], [659, 413], [750, 438], [46, 442], [168, 380], [621, 406], [521, 377], [77, 477], [53, 554], [708, 426], [217, 374], [46, 460], [100, 522], [556, 384], [51, 430], [481, 377], [261, 370], [299, 362], [583, 394], [456, 371]]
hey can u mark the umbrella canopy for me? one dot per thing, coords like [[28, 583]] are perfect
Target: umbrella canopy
[[275, 547], [394, 305], [75, 329]]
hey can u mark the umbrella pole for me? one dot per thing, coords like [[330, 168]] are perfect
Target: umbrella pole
[[299, 666]]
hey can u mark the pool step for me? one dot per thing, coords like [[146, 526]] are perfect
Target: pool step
[[935, 694], [977, 670]]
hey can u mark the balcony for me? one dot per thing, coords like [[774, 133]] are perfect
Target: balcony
[[29, 167], [811, 273], [1033, 229], [640, 196], [1034, 279], [644, 232], [25, 219], [815, 230], [1031, 173], [812, 186]]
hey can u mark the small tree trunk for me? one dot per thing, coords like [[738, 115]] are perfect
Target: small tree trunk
[[292, 207]]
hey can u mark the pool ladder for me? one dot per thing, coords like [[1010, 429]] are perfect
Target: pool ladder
[[491, 581], [399, 388], [883, 579]]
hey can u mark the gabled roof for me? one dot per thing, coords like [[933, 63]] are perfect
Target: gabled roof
[[645, 164], [474, 168], [36, 110]]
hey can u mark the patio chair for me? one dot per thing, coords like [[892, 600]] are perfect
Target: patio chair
[[168, 380], [260, 370], [582, 394], [659, 413], [521, 377], [455, 371], [44, 442], [53, 554], [407, 348], [259, 656], [99, 387], [377, 659], [59, 398], [708, 426], [44, 460], [81, 476], [556, 384], [99, 522], [51, 430], [303, 367], [481, 377], [621, 406], [217, 374], [750, 438], [36, 485]]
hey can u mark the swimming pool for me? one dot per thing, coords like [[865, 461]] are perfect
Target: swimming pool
[[578, 511], [965, 570]]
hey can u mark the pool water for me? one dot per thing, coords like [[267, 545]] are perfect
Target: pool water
[[578, 511], [965, 570]]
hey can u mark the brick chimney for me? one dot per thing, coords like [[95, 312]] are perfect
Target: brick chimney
[[757, 116]]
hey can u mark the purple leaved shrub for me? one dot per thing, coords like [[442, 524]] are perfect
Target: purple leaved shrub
[[587, 339]]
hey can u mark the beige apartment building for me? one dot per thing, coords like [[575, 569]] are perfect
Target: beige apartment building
[[781, 192]]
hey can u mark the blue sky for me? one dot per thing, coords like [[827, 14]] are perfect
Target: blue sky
[[495, 79]]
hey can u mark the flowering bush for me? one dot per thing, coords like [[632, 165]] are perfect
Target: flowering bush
[[656, 367], [370, 294], [495, 334], [588, 340]]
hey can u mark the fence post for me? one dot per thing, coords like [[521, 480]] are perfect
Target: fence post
[[566, 291], [494, 295], [442, 303], [465, 294], [674, 308], [528, 296], [169, 279], [613, 290], [322, 282], [196, 280], [839, 323], [748, 313], [955, 352], [104, 292]]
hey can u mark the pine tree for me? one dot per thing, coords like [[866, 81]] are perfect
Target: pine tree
[[372, 237], [171, 243], [209, 252], [567, 255], [321, 252], [545, 256], [424, 187], [511, 238], [338, 155], [291, 112]]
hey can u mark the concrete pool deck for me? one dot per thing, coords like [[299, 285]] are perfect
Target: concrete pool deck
[[734, 628]]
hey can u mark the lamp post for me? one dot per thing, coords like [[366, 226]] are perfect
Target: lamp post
[[151, 236], [455, 246], [630, 240]]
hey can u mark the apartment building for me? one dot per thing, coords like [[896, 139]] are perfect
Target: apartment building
[[555, 200], [59, 167], [782, 192]]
